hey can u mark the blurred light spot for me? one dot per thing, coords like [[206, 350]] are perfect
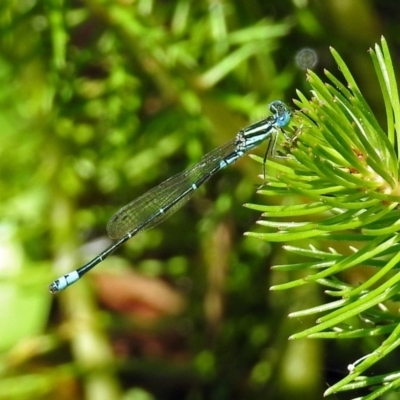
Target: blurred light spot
[[306, 58], [39, 23]]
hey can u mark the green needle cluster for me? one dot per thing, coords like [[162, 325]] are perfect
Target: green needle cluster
[[342, 181]]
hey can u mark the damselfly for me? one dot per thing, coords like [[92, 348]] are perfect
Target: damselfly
[[159, 203]]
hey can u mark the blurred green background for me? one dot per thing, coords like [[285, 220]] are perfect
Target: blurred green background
[[101, 101]]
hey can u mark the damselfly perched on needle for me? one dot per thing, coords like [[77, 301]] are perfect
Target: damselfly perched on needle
[[161, 202]]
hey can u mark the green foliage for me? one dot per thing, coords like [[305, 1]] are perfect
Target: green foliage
[[345, 167], [100, 101]]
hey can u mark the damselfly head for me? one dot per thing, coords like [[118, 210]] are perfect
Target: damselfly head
[[282, 113]]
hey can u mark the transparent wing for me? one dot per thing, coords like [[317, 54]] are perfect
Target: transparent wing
[[144, 212]]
